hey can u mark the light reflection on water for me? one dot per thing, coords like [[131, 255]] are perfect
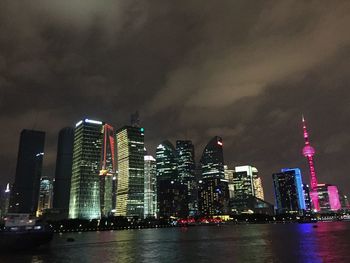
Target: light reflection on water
[[329, 242]]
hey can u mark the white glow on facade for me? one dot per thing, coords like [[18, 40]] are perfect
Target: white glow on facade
[[78, 123], [149, 158], [93, 121]]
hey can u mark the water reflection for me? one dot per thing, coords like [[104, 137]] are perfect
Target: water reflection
[[237, 243]]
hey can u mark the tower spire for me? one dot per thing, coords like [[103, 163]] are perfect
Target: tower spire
[[309, 152]]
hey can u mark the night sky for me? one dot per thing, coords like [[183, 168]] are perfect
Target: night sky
[[242, 70]]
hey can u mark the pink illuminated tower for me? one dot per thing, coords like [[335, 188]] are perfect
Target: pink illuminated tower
[[309, 152]]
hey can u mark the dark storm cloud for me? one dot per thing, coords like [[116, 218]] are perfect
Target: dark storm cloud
[[243, 70]]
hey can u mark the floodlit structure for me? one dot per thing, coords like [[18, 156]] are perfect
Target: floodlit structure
[[150, 199], [309, 152], [130, 180], [85, 184], [108, 170], [289, 194]]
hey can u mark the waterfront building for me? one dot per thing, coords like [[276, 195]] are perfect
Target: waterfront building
[[107, 170], [229, 175], [150, 199], [5, 200], [243, 180], [328, 197], [63, 172], [258, 187], [171, 191], [45, 195], [85, 184], [24, 198], [186, 168], [213, 187], [289, 194], [130, 181], [247, 187], [344, 201], [309, 152], [308, 205]]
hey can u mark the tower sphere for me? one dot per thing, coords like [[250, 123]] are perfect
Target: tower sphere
[[308, 151]]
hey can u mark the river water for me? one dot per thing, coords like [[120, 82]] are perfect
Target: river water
[[329, 242]]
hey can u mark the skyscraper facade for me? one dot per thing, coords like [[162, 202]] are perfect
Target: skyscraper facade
[[212, 160], [289, 194], [213, 187], [85, 189], [328, 197], [247, 187], [107, 170], [229, 175], [243, 180], [150, 199], [5, 200], [186, 168], [171, 192], [130, 156], [258, 188], [308, 205], [63, 173], [309, 152], [28, 172], [45, 195]]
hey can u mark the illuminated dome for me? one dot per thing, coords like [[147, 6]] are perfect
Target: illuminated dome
[[308, 151]]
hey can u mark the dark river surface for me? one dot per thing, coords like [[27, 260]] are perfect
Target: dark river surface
[[329, 242]]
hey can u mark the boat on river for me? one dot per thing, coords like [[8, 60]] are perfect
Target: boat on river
[[21, 232]]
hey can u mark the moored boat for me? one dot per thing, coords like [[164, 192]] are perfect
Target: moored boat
[[21, 232]]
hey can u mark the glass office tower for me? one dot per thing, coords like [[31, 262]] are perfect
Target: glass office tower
[[24, 198], [130, 156], [85, 189]]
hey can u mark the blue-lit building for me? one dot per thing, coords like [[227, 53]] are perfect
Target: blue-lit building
[[289, 194]]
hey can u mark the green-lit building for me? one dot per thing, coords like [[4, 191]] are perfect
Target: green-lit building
[[130, 159], [85, 183]]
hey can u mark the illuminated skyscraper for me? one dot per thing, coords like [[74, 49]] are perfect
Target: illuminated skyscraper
[[107, 170], [186, 169], [85, 184], [45, 195], [243, 180], [289, 194], [130, 156], [308, 205], [328, 197], [309, 152], [63, 173], [258, 188], [212, 160], [150, 199], [247, 187], [25, 192], [229, 175], [171, 192], [213, 187]]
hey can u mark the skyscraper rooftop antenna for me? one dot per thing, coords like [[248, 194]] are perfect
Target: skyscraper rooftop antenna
[[135, 119]]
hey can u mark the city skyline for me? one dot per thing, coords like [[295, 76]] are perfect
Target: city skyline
[[266, 182], [182, 64]]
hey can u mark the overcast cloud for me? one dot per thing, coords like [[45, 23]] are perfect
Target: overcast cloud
[[243, 70]]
